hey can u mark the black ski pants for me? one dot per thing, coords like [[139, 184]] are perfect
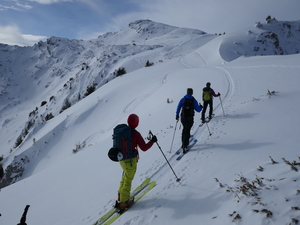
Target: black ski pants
[[205, 104], [186, 131]]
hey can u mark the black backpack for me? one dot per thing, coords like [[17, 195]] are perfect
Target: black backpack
[[122, 143], [187, 111]]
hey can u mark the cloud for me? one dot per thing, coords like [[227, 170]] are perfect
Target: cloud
[[47, 2], [33, 39], [87, 19], [101, 7], [14, 5], [22, 6], [211, 16], [5, 7], [11, 35]]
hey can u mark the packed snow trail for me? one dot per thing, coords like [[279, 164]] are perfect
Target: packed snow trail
[[229, 87], [158, 172], [160, 169]]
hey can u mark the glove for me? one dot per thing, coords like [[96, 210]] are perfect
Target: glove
[[177, 117], [154, 139], [219, 94], [200, 105]]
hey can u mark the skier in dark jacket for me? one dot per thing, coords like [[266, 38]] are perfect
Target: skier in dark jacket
[[187, 120], [207, 97]]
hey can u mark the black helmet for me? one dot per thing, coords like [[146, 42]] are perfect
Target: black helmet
[[189, 91]]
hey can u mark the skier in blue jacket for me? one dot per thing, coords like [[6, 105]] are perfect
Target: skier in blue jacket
[[187, 107]]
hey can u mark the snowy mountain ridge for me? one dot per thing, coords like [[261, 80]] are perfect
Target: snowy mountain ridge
[[60, 99], [270, 38], [68, 69]]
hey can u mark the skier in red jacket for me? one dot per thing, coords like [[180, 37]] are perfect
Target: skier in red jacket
[[129, 166]]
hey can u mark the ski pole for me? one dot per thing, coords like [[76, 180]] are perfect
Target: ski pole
[[177, 179], [222, 105], [173, 136], [208, 129]]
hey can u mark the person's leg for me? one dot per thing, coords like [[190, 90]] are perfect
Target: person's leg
[[186, 131], [121, 185], [210, 108], [189, 127], [183, 132], [205, 103], [129, 173]]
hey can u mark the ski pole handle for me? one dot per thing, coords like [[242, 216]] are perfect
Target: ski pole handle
[[151, 133], [152, 137]]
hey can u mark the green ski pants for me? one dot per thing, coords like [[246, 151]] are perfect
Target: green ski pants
[[129, 169]]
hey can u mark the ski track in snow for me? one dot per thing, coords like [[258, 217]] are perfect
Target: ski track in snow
[[135, 102], [193, 60], [228, 99], [159, 171]]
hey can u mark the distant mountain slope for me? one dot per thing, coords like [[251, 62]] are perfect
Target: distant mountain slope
[[62, 72], [38, 83], [269, 38]]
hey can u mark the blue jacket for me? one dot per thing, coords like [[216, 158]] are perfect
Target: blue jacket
[[197, 108]]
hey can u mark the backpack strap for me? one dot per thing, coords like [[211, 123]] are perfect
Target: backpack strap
[[130, 153]]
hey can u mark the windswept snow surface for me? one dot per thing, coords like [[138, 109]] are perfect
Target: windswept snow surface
[[249, 126]]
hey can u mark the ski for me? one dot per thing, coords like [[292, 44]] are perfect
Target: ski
[[190, 141], [207, 120], [113, 210], [189, 148], [137, 197], [201, 124]]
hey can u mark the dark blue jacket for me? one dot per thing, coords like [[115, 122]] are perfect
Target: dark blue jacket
[[197, 108]]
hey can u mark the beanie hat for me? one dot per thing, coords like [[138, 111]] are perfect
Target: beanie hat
[[190, 91], [207, 84], [133, 121]]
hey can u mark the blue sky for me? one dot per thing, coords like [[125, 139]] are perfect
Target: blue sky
[[25, 22]]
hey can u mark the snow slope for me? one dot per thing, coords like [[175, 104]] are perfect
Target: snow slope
[[63, 187]]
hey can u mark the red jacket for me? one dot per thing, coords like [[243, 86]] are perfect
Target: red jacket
[[138, 140]]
